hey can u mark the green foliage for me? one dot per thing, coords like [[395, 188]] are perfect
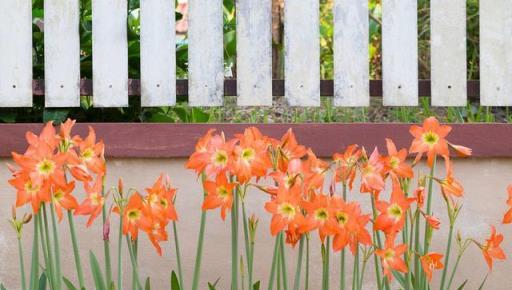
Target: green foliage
[[175, 284], [99, 280]]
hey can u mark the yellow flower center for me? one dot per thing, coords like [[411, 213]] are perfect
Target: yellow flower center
[[394, 162], [164, 203], [342, 218], [321, 214], [248, 154], [58, 195], [96, 199], [134, 214], [395, 211], [220, 158], [389, 254], [31, 188], [223, 192], [430, 138], [286, 209], [87, 154], [46, 167]]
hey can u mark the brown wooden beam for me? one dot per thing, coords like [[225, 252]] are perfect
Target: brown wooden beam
[[149, 140]]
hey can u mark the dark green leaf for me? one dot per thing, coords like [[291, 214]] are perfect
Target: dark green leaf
[[199, 116], [99, 281], [147, 284], [175, 284], [56, 115], [42, 281], [462, 285], [256, 286], [69, 284]]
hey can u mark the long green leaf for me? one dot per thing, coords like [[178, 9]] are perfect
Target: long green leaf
[[462, 285], [42, 281], [69, 284], [147, 284], [175, 284], [256, 286], [2, 287], [483, 282], [99, 281]]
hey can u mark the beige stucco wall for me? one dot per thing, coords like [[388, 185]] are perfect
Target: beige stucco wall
[[485, 181]]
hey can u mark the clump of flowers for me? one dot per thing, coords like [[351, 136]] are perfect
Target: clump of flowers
[[306, 197]]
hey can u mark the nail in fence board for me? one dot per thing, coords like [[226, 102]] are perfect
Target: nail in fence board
[[495, 53], [110, 53], [254, 52], [302, 52], [16, 53], [400, 52], [351, 58], [448, 52], [61, 53], [157, 53], [205, 53]]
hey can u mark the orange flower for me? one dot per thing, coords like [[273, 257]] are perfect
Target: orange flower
[[371, 173], [433, 221], [160, 199], [214, 155], [419, 193], [289, 180], [28, 191], [396, 163], [156, 231], [314, 170], [200, 158], [289, 149], [133, 216], [293, 235], [392, 214], [491, 249], [93, 204], [429, 262], [66, 141], [350, 225], [507, 218], [430, 139], [251, 156], [219, 194], [318, 216], [450, 187], [62, 198], [346, 164], [285, 211], [90, 153], [391, 257]]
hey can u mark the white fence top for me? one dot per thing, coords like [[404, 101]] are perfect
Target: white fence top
[[254, 53]]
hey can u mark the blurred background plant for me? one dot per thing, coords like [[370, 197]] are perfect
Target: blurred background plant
[[280, 112]]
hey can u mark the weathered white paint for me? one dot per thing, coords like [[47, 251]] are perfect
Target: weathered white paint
[[302, 52], [351, 58], [61, 53], [254, 52], [157, 53], [16, 53], [400, 52], [448, 52], [205, 53], [110, 53], [495, 53]]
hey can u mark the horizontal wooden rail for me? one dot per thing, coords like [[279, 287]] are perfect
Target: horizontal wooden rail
[[230, 88], [146, 140]]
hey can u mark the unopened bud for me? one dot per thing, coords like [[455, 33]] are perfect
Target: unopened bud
[[27, 218]]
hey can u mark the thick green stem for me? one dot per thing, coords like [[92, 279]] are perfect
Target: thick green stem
[[22, 265], [248, 247], [234, 242], [454, 270], [283, 262], [200, 241], [447, 258], [275, 257], [56, 246], [342, 260], [306, 278], [426, 238], [133, 260], [376, 236], [417, 265], [119, 251], [34, 266], [363, 271], [178, 254], [106, 242], [355, 273], [76, 253], [135, 271], [50, 266], [325, 268], [298, 268]]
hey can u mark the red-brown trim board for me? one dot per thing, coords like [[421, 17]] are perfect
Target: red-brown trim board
[[150, 140]]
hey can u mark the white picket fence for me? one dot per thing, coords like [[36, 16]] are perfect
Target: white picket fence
[[254, 53]]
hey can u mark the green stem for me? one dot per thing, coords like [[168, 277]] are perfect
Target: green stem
[[447, 257], [306, 282], [22, 265], [327, 249], [454, 271], [135, 271], [50, 267], [234, 243], [376, 236], [283, 262], [34, 266], [133, 260], [298, 268], [342, 261], [417, 265], [56, 246], [363, 271], [355, 274], [106, 242], [278, 280], [200, 241], [178, 254], [119, 251], [426, 239], [76, 253], [248, 246], [274, 264]]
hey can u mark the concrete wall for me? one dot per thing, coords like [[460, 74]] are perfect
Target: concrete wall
[[485, 181]]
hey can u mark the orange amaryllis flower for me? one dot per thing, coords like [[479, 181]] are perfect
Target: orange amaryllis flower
[[90, 153], [289, 149], [251, 155], [62, 198], [214, 157], [156, 231], [430, 139], [66, 141], [507, 218], [219, 194], [293, 235], [433, 221], [47, 136], [350, 225], [314, 170], [285, 211], [391, 257], [491, 249], [28, 191], [430, 262], [371, 173], [290, 180], [450, 187], [93, 203], [393, 213], [346, 164], [133, 216], [201, 156], [160, 199], [318, 216], [395, 163]]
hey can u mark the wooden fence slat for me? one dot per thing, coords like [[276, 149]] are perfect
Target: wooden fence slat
[[110, 53], [400, 52], [16, 53], [495, 53], [302, 52], [254, 52], [351, 63], [205, 53], [62, 53], [157, 53], [448, 52]]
